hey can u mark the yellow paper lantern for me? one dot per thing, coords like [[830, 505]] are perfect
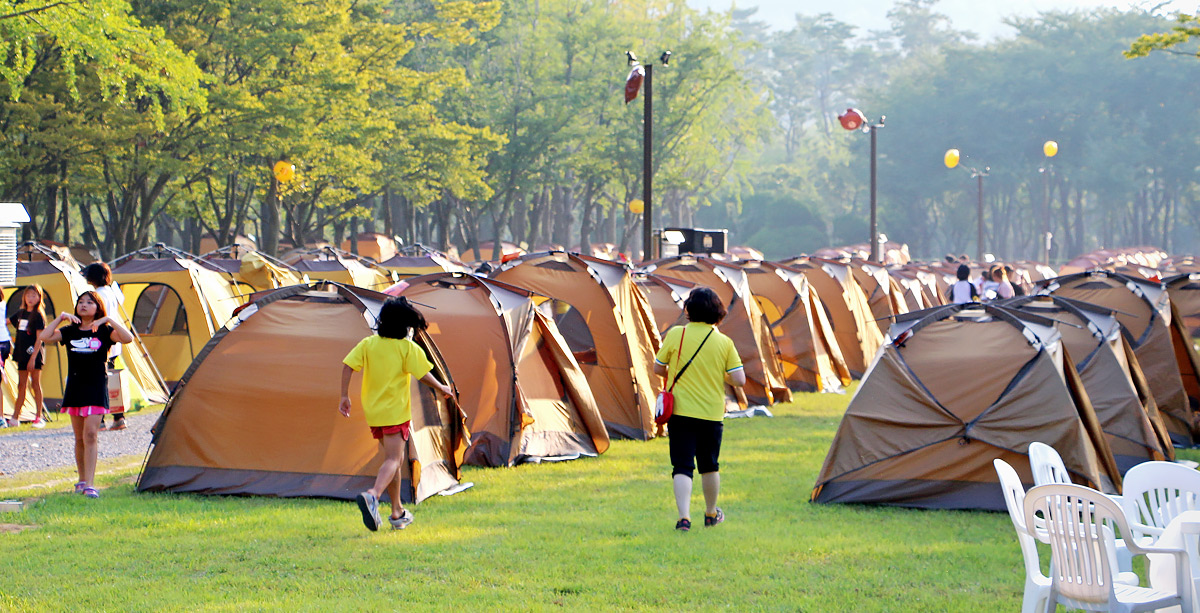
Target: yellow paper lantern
[[951, 158], [636, 206], [1050, 148], [284, 171]]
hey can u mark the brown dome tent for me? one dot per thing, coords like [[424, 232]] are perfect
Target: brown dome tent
[[857, 335], [953, 388], [256, 412], [745, 323], [884, 294], [812, 360], [665, 296], [525, 397], [1111, 375], [1185, 295], [1144, 309], [608, 326]]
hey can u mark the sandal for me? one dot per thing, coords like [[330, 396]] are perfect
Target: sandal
[[79, 487], [91, 492], [683, 525], [118, 424]]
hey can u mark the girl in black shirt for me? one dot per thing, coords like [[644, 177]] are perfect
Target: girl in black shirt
[[87, 338], [28, 322]]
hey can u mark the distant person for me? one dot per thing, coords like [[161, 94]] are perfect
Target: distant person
[[5, 349], [696, 425], [1004, 288], [28, 322], [87, 338], [1017, 279], [99, 276], [963, 290], [387, 359]]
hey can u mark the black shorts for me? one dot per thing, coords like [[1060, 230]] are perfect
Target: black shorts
[[21, 357], [5, 349], [695, 443]]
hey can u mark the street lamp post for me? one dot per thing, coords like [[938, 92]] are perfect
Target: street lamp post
[[951, 159], [853, 119], [631, 86], [1050, 149]]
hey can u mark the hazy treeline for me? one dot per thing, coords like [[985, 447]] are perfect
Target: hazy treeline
[[455, 122]]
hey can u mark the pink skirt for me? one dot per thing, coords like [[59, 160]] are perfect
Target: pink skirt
[[85, 411]]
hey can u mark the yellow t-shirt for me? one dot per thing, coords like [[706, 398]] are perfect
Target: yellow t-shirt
[[700, 393], [386, 364]]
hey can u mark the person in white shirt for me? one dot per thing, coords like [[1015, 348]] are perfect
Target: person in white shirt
[[963, 290]]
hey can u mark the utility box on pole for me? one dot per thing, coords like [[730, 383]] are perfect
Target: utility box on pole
[[12, 215], [693, 240]]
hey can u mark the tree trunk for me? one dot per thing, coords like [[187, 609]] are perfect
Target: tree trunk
[[269, 240]]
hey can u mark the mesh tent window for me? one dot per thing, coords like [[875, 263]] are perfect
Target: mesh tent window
[[159, 311]]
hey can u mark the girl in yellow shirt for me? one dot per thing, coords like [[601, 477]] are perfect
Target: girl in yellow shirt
[[387, 359]]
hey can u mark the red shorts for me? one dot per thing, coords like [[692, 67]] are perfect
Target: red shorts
[[401, 429]]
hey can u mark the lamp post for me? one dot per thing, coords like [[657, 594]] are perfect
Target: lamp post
[[632, 83], [951, 159], [853, 119], [1049, 149]]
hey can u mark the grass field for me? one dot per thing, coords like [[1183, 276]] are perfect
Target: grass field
[[584, 535]]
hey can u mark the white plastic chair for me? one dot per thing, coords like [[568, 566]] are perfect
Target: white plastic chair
[[1082, 548], [1155, 494], [1037, 585], [1048, 468], [1047, 465]]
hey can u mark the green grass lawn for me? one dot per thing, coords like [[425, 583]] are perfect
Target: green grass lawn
[[584, 535]]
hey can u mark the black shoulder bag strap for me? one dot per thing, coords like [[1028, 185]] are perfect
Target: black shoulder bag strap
[[689, 362]]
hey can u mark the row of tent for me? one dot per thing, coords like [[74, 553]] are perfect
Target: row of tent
[[1098, 365], [551, 355]]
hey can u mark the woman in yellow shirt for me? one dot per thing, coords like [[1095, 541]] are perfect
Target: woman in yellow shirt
[[696, 425], [386, 360]]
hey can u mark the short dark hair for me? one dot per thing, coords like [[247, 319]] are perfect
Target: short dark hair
[[397, 316], [703, 305], [950, 258], [98, 274], [964, 272]]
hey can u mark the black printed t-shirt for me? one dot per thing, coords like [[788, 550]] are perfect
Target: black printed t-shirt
[[87, 372], [27, 325]]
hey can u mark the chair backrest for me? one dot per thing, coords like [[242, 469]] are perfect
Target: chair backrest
[[1047, 465], [1014, 499], [1157, 492], [1082, 546]]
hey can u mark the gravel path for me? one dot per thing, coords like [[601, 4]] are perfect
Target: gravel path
[[49, 448]]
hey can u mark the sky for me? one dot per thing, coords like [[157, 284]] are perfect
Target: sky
[[984, 17]]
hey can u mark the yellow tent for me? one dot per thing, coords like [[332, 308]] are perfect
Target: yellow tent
[[254, 271], [176, 305], [343, 267], [62, 284]]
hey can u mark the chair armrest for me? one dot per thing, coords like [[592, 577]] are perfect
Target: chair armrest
[[1145, 529]]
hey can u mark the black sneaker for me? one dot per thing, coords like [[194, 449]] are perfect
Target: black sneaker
[[683, 525], [712, 520], [369, 505]]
